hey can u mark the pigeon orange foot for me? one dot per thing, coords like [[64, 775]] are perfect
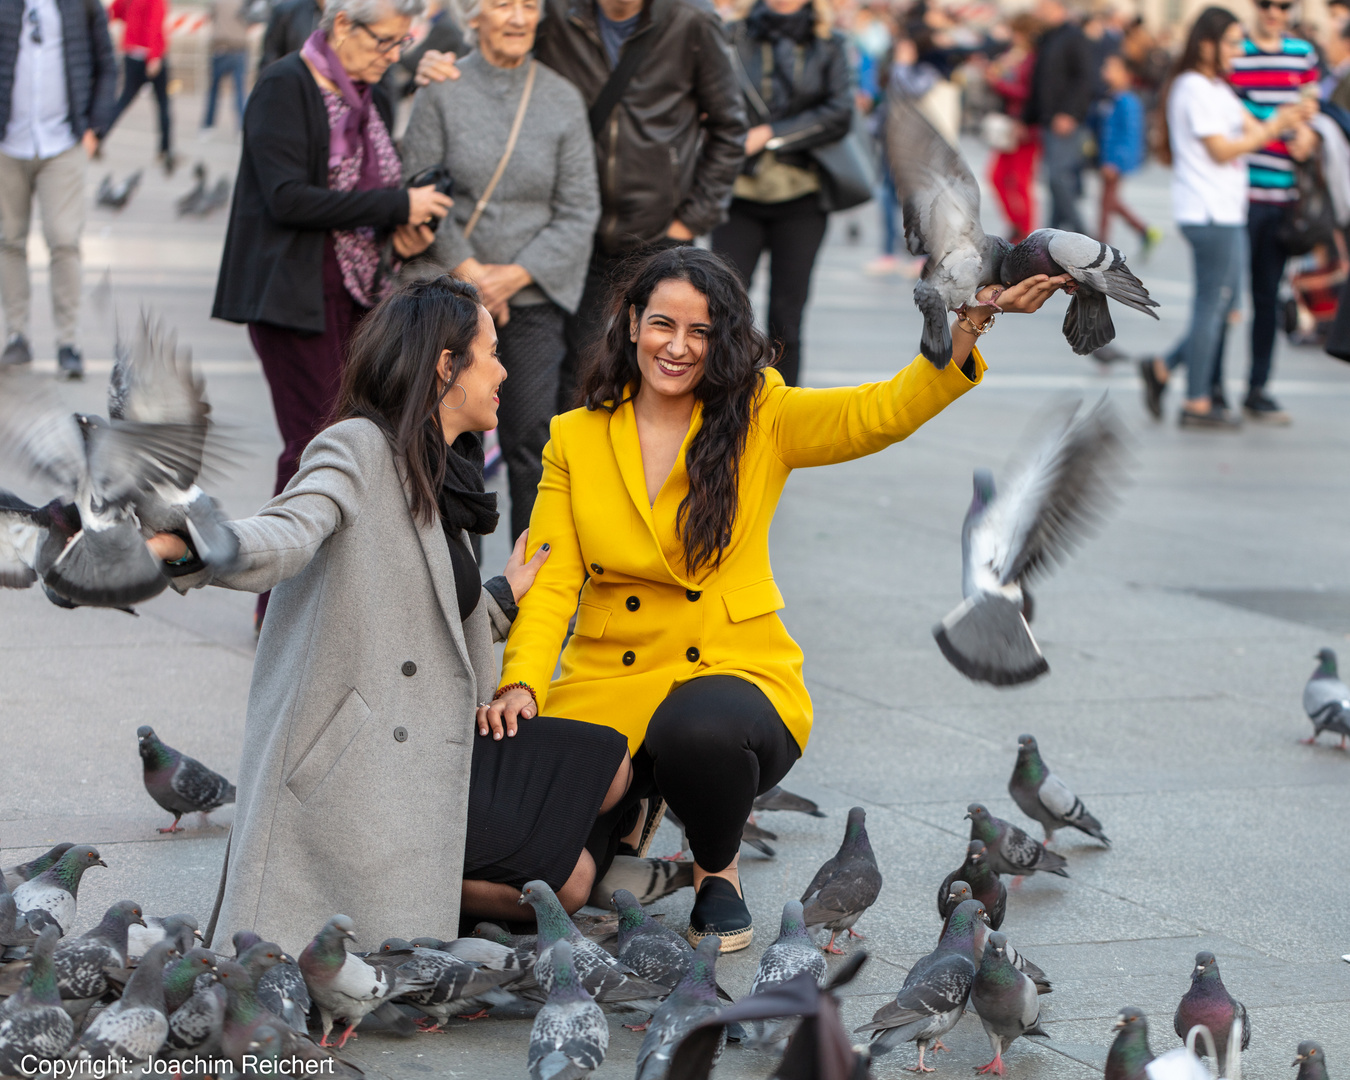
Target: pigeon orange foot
[[995, 1067]]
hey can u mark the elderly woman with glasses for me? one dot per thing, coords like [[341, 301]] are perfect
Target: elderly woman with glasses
[[528, 246], [321, 219]]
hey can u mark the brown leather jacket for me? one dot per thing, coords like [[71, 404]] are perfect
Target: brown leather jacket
[[675, 141]]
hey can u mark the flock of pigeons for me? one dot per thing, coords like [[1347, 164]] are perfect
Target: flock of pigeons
[[201, 200]]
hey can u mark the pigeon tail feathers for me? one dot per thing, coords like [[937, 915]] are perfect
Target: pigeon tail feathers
[[936, 340], [987, 639]]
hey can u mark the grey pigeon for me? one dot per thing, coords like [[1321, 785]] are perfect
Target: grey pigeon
[[518, 960], [984, 883], [846, 885], [33, 539], [1208, 1002], [1008, 849], [196, 1026], [778, 799], [203, 199], [654, 951], [133, 1028], [88, 966], [116, 194], [450, 985], [1032, 971], [17, 875], [1130, 1052], [790, 955], [935, 991], [344, 986], [692, 1001], [180, 929], [1044, 797], [1311, 1061], [281, 989], [18, 931], [1326, 700], [180, 977], [180, 784], [32, 1021], [1051, 498], [279, 1051], [1006, 1001], [57, 888], [187, 202], [570, 1037], [606, 979]]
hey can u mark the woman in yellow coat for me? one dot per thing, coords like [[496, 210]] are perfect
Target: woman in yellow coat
[[656, 500]]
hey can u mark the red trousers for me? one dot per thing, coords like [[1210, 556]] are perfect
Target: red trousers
[[1012, 175]]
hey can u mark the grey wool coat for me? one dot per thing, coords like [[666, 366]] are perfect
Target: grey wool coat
[[354, 779]]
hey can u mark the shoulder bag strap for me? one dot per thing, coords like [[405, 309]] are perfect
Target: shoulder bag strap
[[632, 56], [481, 205]]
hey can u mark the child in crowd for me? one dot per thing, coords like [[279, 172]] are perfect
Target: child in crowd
[[1121, 124]]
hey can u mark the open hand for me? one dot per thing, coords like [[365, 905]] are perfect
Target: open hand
[[520, 574], [435, 66], [1024, 297]]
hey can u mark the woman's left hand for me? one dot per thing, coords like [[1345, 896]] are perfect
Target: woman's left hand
[[410, 240], [520, 574], [1024, 297]]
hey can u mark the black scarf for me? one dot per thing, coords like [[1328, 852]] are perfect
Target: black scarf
[[462, 502], [767, 25]]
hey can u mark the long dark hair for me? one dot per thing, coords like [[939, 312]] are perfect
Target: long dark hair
[[734, 360], [390, 376], [1209, 26]]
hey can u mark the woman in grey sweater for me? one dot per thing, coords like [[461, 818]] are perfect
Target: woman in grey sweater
[[529, 247]]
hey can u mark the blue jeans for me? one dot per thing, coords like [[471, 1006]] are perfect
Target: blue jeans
[[1219, 252], [889, 202], [222, 64], [1063, 155]]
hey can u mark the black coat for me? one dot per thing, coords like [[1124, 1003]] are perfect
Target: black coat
[[1062, 80], [91, 70], [287, 28], [271, 270]]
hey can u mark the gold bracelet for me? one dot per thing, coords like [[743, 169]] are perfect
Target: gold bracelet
[[970, 328]]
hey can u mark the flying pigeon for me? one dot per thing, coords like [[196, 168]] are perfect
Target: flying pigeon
[[134, 1027], [32, 1021], [115, 196], [180, 784], [1044, 797], [1311, 1061], [940, 198], [344, 986], [793, 953], [89, 965], [180, 929], [1208, 1002], [984, 884], [693, 1000], [1326, 700], [451, 985], [1130, 1051], [180, 977], [1050, 499], [281, 989], [607, 980], [1006, 1001], [55, 889], [935, 991], [17, 875], [778, 799], [846, 885], [1008, 849], [570, 1035], [33, 539]]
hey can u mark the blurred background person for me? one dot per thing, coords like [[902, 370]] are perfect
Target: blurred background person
[[795, 76], [1335, 84], [288, 27], [530, 245], [145, 59], [229, 58], [1012, 170], [58, 96], [1061, 96], [1121, 150], [320, 214]]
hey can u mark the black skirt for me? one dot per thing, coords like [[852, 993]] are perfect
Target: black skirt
[[533, 799]]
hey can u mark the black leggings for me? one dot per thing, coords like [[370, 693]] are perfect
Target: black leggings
[[712, 745]]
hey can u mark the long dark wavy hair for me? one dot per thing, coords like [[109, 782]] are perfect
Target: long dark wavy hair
[[734, 360], [390, 376], [1209, 26]]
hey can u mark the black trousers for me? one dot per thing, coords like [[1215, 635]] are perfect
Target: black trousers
[[1268, 256], [712, 745], [134, 76], [531, 345], [792, 231]]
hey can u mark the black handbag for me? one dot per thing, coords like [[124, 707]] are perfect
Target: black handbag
[[1311, 219], [847, 170]]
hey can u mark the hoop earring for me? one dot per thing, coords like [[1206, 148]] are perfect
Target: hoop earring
[[456, 408]]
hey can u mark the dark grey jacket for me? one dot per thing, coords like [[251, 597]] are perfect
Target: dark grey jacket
[[289, 25], [91, 71]]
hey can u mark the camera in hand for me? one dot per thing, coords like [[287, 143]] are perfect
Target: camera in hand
[[438, 176]]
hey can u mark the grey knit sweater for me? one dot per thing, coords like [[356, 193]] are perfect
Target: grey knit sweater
[[544, 210]]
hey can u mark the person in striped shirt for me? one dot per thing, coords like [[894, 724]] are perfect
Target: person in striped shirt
[[1273, 70]]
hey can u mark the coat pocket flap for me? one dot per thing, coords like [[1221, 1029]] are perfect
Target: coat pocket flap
[[751, 600], [591, 620], [328, 746]]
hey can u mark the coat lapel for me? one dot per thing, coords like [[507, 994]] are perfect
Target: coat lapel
[[437, 554]]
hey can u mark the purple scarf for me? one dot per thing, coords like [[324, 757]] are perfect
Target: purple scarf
[[355, 129]]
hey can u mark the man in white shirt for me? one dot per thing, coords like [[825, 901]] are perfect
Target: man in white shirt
[[57, 96]]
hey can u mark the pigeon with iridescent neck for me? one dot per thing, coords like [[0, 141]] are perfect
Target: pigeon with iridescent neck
[[1006, 1001], [570, 1036], [344, 986], [281, 989], [846, 885], [1326, 700], [692, 1001], [1208, 1002], [1008, 849], [180, 784], [17, 875], [56, 889], [133, 1028], [1044, 797], [1130, 1052], [792, 954], [985, 885], [32, 1021]]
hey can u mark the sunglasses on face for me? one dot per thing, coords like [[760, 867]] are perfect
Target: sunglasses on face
[[1266, 5]]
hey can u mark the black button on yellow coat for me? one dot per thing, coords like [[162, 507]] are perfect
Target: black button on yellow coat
[[596, 568], [691, 654], [409, 668], [632, 603], [692, 594], [628, 658]]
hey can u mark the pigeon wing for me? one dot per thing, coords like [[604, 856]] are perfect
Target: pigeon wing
[[153, 382], [40, 437], [200, 787], [21, 536], [1102, 267], [1019, 848], [1056, 797], [938, 193], [942, 990]]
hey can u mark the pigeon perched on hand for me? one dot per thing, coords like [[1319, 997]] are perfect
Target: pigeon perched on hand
[[1311, 1061], [778, 799], [87, 966], [180, 784], [940, 198], [57, 888], [133, 1028], [935, 991], [1006, 1001], [984, 883], [1130, 1051], [1326, 700], [1208, 1002], [692, 1001], [17, 875], [1050, 499], [32, 1021], [1008, 849], [180, 929], [1044, 797], [792, 954], [570, 1035], [344, 986], [846, 885]]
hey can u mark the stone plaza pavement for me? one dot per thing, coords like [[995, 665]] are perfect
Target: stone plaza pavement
[[1179, 642]]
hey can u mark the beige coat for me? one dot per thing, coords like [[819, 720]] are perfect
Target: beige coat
[[353, 784]]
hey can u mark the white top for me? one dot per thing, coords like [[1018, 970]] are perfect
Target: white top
[[39, 115], [1203, 191]]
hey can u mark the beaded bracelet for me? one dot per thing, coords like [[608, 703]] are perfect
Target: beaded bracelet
[[517, 686]]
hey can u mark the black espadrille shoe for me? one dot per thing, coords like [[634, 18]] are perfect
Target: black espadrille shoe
[[720, 910]]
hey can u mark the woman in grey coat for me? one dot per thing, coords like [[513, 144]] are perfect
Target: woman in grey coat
[[354, 784], [531, 242]]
